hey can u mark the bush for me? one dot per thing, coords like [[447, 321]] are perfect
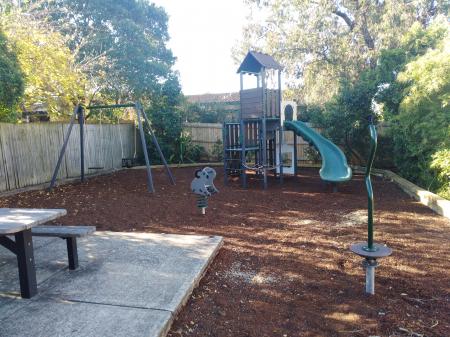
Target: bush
[[187, 151], [441, 165], [217, 151], [421, 128]]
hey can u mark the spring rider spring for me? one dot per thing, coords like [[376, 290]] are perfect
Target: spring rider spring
[[369, 250], [203, 187]]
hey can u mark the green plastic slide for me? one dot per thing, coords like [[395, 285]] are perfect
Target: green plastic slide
[[334, 163]]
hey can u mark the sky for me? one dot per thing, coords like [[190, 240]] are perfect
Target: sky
[[202, 34]]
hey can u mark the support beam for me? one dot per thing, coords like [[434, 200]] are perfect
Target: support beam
[[280, 140], [145, 150], [242, 136], [264, 127], [72, 252], [155, 142], [81, 123], [295, 154], [63, 149], [225, 145], [25, 260]]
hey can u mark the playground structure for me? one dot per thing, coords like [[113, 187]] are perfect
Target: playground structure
[[256, 143], [250, 144], [203, 186], [142, 121]]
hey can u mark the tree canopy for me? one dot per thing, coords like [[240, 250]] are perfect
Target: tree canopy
[[324, 42], [51, 76], [119, 44]]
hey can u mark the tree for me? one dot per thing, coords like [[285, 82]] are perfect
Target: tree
[[11, 81], [421, 126], [409, 88], [325, 43], [51, 77], [119, 44], [166, 118]]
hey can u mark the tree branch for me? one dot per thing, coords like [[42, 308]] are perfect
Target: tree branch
[[350, 23]]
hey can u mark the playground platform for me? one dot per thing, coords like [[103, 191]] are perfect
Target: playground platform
[[127, 285]]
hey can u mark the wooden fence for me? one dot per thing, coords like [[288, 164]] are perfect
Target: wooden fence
[[204, 134], [207, 134], [29, 152]]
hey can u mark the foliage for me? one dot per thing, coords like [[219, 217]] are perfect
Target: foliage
[[166, 118], [409, 89], [441, 165], [119, 44], [217, 151], [11, 81], [312, 154], [326, 43], [48, 66], [188, 152], [421, 127], [217, 112]]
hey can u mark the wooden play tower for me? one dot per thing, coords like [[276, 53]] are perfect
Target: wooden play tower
[[251, 143]]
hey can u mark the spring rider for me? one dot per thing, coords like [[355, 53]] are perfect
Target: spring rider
[[203, 187], [369, 250]]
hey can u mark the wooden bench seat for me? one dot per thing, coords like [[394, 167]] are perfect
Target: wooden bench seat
[[70, 234]]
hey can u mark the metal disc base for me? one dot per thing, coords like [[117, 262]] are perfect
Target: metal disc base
[[378, 251]]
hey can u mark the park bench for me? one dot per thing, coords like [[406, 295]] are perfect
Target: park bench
[[68, 233]]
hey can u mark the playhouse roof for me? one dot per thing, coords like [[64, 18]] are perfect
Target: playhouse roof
[[255, 61]]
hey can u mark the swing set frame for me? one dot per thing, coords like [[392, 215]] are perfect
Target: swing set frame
[[79, 114]]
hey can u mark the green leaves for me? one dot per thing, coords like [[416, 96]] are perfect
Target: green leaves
[[11, 81], [410, 90], [51, 77], [119, 44]]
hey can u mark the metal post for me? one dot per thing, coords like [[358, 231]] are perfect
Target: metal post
[[63, 149], [280, 155], [225, 144], [243, 156], [145, 150], [295, 154], [373, 136], [370, 265], [155, 141], [263, 129], [81, 123], [281, 127]]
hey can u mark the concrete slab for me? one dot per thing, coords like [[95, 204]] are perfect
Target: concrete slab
[[152, 275], [44, 317], [138, 281], [50, 257]]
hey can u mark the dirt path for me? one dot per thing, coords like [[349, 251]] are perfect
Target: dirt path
[[285, 268]]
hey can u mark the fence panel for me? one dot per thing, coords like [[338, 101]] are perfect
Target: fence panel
[[204, 134], [207, 134], [29, 152]]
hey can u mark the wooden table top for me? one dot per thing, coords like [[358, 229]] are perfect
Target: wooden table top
[[14, 220]]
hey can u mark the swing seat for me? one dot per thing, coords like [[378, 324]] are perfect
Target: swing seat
[[96, 168], [129, 162]]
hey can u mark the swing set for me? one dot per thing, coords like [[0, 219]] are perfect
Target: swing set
[[79, 114]]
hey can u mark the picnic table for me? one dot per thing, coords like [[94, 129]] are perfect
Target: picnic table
[[19, 222]]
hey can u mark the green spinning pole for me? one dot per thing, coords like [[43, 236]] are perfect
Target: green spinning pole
[[369, 250]]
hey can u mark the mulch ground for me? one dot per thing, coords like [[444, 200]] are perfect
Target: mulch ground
[[285, 268]]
